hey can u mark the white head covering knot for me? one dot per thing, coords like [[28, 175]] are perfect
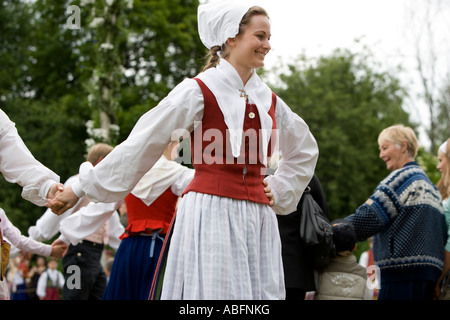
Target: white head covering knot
[[218, 21], [443, 147]]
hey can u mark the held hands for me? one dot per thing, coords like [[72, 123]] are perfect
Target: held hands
[[59, 248], [269, 193], [54, 189], [62, 201]]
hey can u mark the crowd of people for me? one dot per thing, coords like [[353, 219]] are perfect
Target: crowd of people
[[225, 226]]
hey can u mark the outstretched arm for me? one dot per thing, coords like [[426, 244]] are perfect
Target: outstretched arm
[[115, 176], [18, 165]]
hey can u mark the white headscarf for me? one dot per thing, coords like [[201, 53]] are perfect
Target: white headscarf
[[443, 147], [219, 21]]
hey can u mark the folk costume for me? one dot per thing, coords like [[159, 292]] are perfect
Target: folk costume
[[225, 244], [150, 207], [49, 284]]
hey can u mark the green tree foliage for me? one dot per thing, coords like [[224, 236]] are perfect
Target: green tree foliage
[[46, 70], [428, 162], [163, 48], [346, 104], [40, 93]]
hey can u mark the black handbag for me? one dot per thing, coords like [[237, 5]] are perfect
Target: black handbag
[[316, 232]]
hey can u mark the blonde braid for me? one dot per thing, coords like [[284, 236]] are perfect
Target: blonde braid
[[212, 58]]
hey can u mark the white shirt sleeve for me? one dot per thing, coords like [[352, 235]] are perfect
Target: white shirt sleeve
[[18, 165], [299, 157], [116, 229], [364, 259], [182, 182], [41, 285], [21, 242], [86, 221], [115, 177], [60, 279]]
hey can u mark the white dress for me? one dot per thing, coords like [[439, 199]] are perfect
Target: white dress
[[221, 248]]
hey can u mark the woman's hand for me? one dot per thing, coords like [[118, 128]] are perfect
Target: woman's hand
[[269, 193]]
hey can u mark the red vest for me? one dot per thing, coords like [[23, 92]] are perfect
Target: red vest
[[217, 172], [143, 218]]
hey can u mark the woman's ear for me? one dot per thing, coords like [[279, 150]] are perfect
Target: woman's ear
[[404, 146], [231, 42]]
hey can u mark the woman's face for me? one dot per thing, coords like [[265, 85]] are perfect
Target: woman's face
[[442, 162], [392, 155], [249, 49]]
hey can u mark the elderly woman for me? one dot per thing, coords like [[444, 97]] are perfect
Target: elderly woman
[[405, 216]]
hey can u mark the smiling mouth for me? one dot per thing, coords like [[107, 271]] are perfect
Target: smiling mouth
[[262, 55]]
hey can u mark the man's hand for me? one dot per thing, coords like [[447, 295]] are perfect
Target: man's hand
[[59, 248], [63, 201]]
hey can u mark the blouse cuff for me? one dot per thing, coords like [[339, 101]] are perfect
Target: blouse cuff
[[46, 250], [63, 238], [76, 188], [45, 188]]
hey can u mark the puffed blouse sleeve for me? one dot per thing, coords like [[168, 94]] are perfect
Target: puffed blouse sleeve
[[18, 165], [115, 176], [21, 242], [300, 152]]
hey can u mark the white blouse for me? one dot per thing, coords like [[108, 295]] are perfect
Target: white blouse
[[21, 242], [18, 165], [89, 219], [79, 222], [164, 174], [178, 114]]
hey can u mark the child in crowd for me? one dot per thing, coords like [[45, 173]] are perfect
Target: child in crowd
[[12, 235], [343, 278], [50, 282]]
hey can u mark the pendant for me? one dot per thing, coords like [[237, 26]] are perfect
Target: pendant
[[243, 94]]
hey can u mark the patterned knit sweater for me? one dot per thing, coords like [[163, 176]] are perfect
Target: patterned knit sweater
[[406, 218]]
